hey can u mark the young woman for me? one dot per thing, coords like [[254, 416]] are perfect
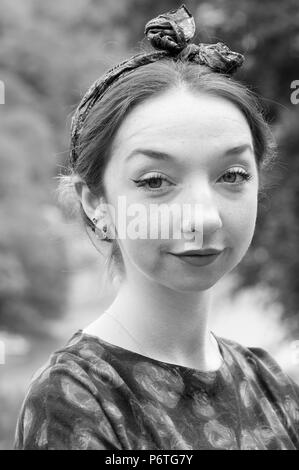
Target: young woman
[[165, 129]]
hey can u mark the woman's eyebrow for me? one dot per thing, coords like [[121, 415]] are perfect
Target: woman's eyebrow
[[158, 155], [150, 153]]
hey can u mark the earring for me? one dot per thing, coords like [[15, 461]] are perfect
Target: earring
[[95, 221], [104, 230]]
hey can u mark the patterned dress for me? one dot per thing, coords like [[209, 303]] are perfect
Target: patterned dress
[[95, 395]]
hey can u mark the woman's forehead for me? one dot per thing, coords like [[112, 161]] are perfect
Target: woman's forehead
[[183, 118]]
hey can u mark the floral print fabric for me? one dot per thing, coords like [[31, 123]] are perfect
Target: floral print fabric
[[95, 395]]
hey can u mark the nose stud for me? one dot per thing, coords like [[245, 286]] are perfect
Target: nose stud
[[186, 227]]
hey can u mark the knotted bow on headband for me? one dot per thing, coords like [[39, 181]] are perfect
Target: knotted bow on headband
[[169, 33]]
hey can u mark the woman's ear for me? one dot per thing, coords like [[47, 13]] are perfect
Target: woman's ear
[[88, 200]]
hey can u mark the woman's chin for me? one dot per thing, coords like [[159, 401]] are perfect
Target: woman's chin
[[194, 276], [193, 283]]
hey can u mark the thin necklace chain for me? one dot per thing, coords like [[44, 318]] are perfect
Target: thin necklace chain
[[127, 331], [237, 397]]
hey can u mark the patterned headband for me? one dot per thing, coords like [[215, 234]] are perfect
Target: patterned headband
[[169, 33]]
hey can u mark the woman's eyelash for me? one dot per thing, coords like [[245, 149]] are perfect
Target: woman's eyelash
[[144, 182], [238, 171]]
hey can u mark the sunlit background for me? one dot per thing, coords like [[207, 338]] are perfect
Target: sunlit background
[[50, 273]]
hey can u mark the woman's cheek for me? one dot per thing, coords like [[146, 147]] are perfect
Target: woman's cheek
[[144, 254], [242, 228]]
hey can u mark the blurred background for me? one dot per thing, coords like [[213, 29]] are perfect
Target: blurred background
[[50, 273]]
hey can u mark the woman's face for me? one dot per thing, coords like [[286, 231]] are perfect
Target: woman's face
[[203, 165]]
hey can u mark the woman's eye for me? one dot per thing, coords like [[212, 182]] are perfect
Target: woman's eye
[[152, 183], [236, 176]]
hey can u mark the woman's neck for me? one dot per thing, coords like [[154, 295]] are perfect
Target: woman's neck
[[171, 326]]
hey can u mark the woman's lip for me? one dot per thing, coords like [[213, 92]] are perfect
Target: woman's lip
[[197, 260], [199, 253]]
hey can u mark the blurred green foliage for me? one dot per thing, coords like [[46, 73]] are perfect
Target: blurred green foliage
[[50, 54]]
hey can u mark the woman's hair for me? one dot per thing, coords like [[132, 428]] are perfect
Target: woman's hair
[[135, 87]]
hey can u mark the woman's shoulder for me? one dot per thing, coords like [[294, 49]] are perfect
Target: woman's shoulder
[[72, 386], [256, 354], [82, 361], [260, 366], [78, 359]]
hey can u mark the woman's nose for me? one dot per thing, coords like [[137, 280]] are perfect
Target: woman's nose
[[206, 216], [211, 219]]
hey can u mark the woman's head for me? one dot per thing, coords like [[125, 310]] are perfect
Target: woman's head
[[195, 115]]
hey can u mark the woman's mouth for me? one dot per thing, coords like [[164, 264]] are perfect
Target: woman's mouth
[[198, 259]]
